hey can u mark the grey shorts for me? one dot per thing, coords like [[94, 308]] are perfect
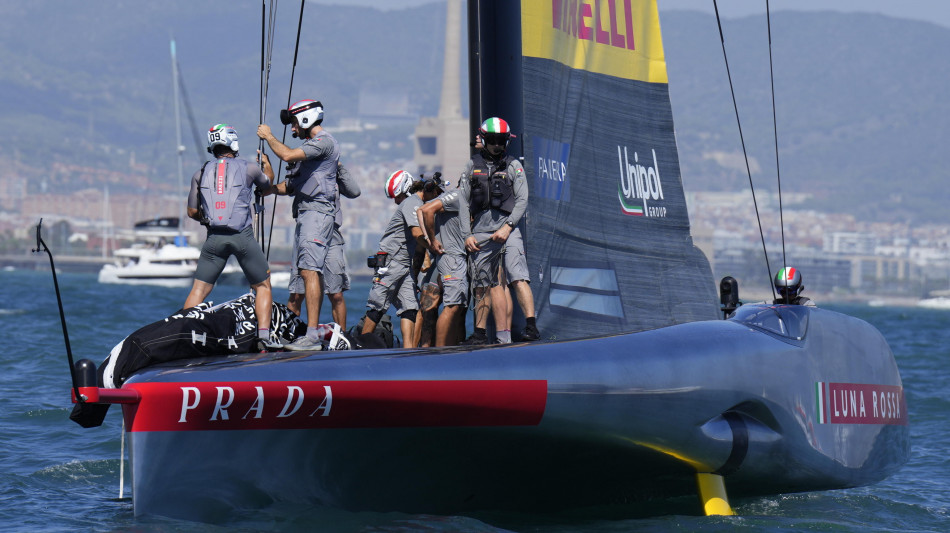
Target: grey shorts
[[218, 247], [312, 240], [516, 264], [453, 273], [429, 276], [485, 262], [395, 287], [335, 278]]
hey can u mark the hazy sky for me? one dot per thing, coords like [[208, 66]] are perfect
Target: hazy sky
[[936, 11]]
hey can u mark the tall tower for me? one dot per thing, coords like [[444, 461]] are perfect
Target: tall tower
[[442, 142]]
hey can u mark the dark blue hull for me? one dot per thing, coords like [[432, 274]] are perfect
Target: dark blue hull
[[545, 426]]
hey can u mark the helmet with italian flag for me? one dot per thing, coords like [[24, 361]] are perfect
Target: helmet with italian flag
[[398, 183], [788, 282], [222, 135], [495, 131]]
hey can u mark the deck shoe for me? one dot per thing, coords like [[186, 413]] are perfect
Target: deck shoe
[[477, 339], [304, 343], [267, 345], [338, 340], [530, 333]]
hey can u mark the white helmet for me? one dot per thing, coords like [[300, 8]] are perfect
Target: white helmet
[[398, 183], [222, 135], [308, 113]]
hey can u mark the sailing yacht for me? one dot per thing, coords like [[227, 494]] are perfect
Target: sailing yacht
[[639, 391]]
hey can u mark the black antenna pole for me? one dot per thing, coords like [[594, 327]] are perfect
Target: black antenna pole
[[778, 172], [41, 247], [262, 103], [744, 152]]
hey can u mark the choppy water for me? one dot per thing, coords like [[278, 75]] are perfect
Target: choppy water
[[56, 476]]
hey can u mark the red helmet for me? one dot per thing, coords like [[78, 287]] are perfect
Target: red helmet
[[398, 183]]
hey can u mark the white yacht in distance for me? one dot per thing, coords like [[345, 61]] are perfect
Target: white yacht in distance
[[159, 255], [939, 302]]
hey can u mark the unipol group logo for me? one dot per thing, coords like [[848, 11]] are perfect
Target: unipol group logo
[[640, 185]]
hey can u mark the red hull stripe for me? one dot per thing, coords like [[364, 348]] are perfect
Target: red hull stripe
[[335, 404]]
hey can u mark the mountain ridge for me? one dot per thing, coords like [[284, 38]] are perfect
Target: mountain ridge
[[857, 95]]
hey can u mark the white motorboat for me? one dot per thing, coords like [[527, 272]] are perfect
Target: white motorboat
[[159, 255]]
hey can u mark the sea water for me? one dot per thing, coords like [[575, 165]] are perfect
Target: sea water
[[57, 476]]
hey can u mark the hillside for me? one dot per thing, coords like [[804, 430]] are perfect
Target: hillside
[[859, 97]]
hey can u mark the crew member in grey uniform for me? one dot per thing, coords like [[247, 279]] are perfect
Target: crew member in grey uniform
[[401, 246], [789, 285], [335, 277], [493, 200], [312, 179], [221, 195], [441, 224], [430, 290]]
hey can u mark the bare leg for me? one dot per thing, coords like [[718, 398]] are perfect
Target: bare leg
[[482, 306], [428, 309], [444, 334], [408, 327], [525, 298], [457, 327], [338, 308], [262, 303], [499, 307], [368, 325], [295, 302], [199, 291], [313, 284]]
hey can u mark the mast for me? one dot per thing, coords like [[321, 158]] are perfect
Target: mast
[[179, 241]]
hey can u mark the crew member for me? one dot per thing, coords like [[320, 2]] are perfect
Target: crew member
[[312, 179], [494, 193], [401, 247], [788, 283], [221, 195], [335, 278], [440, 221]]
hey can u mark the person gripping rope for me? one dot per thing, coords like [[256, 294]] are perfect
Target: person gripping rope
[[312, 180]]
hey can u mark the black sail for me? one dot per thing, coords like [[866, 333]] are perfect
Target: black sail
[[607, 231]]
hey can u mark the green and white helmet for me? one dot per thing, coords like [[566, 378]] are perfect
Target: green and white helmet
[[788, 282], [222, 135], [495, 131]]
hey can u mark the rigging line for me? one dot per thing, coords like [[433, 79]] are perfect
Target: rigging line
[[778, 172], [260, 115], [191, 116], [268, 24], [283, 139], [745, 154]]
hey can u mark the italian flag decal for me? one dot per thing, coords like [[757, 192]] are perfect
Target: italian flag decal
[[628, 208]]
